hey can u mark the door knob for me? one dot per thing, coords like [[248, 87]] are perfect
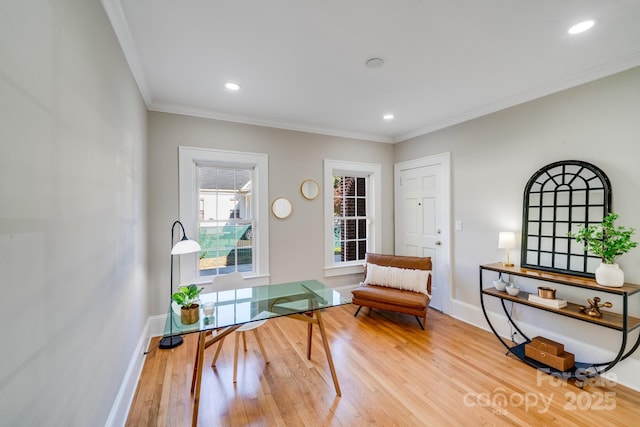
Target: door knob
[[438, 243]]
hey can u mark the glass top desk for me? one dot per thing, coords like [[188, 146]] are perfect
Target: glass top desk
[[301, 300]]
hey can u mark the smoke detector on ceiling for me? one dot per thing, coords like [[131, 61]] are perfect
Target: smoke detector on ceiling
[[374, 62]]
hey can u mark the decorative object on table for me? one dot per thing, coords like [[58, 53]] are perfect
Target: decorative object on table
[[208, 309], [512, 289], [281, 207], [506, 241], [550, 353], [500, 284], [608, 242], [594, 307], [548, 302], [183, 246], [187, 299], [310, 189], [546, 292]]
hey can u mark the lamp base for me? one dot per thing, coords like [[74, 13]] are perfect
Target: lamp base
[[170, 342], [508, 264]]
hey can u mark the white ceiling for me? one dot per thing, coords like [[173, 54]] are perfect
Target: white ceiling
[[301, 63]]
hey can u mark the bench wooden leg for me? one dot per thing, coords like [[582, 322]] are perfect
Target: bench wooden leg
[[357, 311], [419, 323]]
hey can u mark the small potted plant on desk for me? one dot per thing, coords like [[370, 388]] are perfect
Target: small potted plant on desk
[[608, 242], [187, 298]]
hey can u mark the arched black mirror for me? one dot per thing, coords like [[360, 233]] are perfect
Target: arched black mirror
[[557, 199]]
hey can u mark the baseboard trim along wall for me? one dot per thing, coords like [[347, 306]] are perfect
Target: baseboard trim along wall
[[124, 398]]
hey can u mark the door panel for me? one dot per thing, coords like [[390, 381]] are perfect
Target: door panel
[[421, 206]]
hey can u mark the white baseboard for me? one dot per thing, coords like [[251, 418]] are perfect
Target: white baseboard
[[626, 373], [124, 398]]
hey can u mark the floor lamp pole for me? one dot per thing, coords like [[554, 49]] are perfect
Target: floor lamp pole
[[171, 341]]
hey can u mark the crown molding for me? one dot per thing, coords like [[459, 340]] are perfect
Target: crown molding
[[114, 12], [217, 115]]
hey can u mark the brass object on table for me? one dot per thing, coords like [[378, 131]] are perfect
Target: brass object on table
[[594, 309], [547, 293]]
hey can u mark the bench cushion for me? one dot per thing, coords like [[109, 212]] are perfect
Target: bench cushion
[[391, 296]]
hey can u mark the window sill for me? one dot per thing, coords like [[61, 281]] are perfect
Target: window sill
[[344, 270]]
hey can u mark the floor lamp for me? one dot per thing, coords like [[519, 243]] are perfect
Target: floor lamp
[[184, 246]]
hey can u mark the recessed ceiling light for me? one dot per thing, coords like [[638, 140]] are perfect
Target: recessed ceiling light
[[388, 117], [581, 27], [232, 86]]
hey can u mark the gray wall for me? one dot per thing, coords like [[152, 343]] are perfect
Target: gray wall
[[72, 214], [494, 156], [296, 244], [79, 206]]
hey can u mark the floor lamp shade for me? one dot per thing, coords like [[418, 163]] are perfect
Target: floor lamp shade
[[183, 246]]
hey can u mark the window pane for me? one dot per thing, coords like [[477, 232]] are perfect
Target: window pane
[[225, 226], [362, 207], [362, 229], [361, 187]]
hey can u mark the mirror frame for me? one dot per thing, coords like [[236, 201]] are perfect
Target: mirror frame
[[559, 198], [281, 207], [310, 189]]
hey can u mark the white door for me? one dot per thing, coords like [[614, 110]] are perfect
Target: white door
[[422, 219]]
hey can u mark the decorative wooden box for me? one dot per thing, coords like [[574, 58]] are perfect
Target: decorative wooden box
[[562, 362], [548, 346]]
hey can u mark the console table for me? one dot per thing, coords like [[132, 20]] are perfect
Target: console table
[[620, 322]]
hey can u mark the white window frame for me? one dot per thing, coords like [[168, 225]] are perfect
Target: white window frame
[[374, 208], [188, 160]]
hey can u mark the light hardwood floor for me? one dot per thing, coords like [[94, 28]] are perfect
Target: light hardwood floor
[[391, 374]]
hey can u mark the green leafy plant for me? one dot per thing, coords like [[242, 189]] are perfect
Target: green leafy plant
[[187, 296], [605, 239]]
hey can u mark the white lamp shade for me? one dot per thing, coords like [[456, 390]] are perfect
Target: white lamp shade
[[185, 246], [506, 240]]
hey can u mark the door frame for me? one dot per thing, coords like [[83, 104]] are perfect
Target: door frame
[[444, 211]]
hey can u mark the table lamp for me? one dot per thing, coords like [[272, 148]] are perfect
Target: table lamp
[[183, 246], [506, 241]]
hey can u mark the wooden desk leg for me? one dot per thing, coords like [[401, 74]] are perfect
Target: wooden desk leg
[[327, 350], [200, 359], [196, 379], [309, 336], [194, 374]]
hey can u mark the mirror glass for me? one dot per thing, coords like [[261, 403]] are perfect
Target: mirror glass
[[281, 207], [310, 189]]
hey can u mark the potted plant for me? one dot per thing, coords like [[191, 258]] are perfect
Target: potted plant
[[187, 298], [608, 242]]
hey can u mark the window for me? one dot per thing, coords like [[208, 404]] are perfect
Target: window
[[349, 218], [223, 201], [225, 228], [352, 215]]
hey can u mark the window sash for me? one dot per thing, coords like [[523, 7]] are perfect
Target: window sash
[[225, 232]]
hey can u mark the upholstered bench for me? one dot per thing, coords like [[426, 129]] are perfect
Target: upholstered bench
[[395, 283]]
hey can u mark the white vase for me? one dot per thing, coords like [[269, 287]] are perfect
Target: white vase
[[609, 275]]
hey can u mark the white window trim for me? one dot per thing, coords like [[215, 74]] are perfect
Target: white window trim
[[374, 172], [188, 159]]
